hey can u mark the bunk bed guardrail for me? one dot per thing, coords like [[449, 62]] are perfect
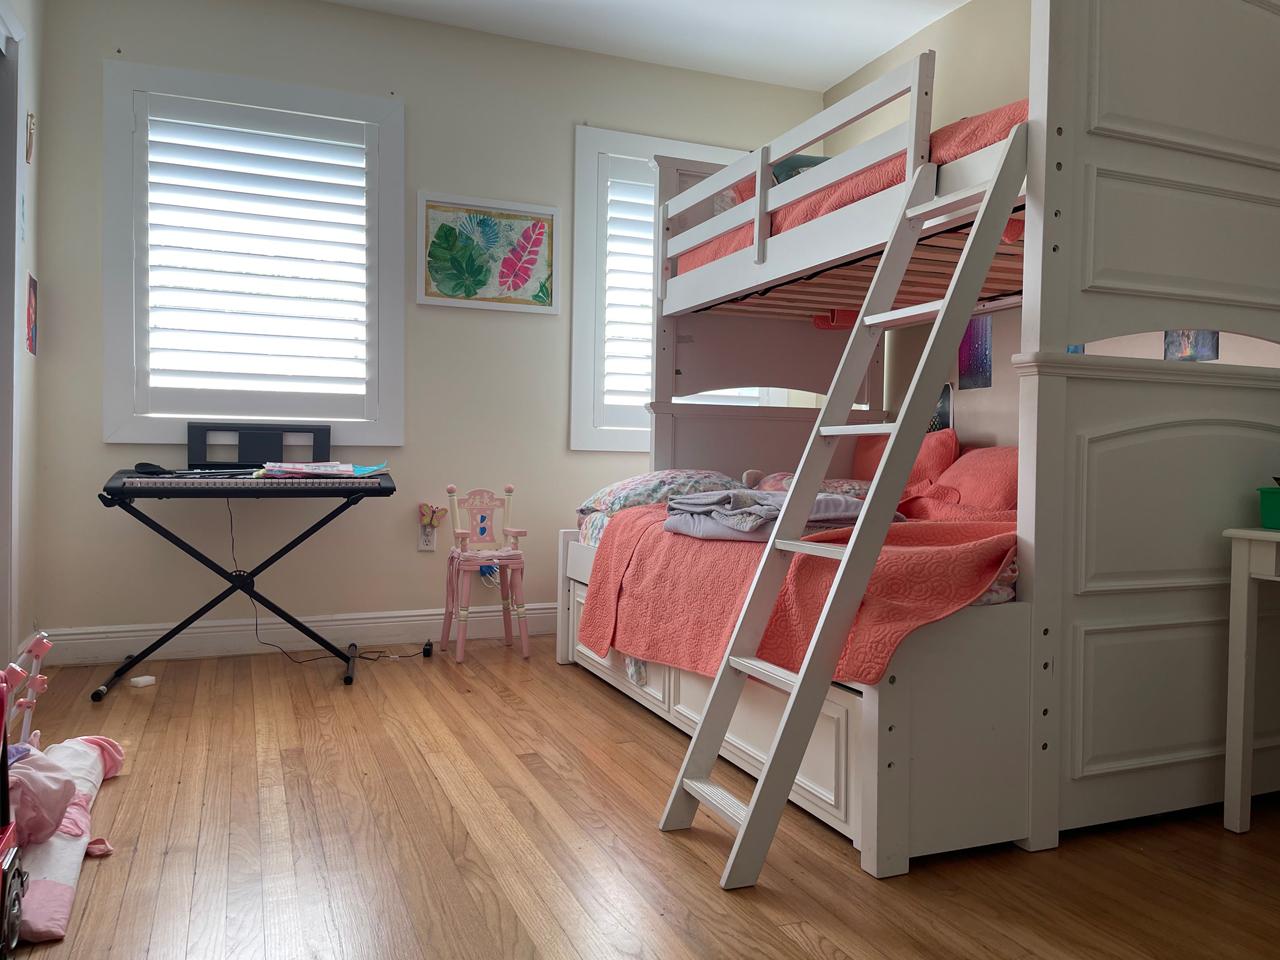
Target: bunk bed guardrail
[[913, 79]]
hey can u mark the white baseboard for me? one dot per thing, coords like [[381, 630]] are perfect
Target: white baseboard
[[227, 638]]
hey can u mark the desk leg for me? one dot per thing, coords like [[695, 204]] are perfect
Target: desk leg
[[1240, 661]]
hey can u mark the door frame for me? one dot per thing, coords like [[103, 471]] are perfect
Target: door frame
[[12, 260]]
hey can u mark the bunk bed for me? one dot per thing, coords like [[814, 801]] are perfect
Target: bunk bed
[[1096, 694]]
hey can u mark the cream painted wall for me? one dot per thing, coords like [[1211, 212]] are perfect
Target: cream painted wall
[[31, 14], [487, 392], [983, 61]]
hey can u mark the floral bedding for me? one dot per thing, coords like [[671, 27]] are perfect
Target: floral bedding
[[656, 487]]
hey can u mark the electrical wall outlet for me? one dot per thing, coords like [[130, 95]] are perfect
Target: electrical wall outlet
[[426, 539]]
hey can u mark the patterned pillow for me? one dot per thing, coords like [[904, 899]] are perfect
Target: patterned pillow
[[850, 488], [657, 487]]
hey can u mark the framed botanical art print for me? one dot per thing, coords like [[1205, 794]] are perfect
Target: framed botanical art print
[[498, 255]]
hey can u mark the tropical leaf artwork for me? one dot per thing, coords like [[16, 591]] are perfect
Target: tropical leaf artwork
[[458, 267], [516, 269], [482, 230], [488, 255]]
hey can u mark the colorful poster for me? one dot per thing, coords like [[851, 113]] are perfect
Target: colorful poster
[[975, 354], [1191, 344], [480, 253]]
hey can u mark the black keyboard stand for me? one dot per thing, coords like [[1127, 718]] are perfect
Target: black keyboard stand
[[238, 581]]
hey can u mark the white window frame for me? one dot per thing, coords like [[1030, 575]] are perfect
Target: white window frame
[[586, 369], [121, 420]]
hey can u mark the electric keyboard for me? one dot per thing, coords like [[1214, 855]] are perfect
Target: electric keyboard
[[130, 485]]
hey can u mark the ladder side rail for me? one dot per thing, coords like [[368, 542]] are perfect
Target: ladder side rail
[[818, 668], [859, 352]]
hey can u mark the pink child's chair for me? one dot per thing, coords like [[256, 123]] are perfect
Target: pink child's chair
[[475, 527]]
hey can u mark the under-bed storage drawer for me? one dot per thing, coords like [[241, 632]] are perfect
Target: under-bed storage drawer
[[655, 686], [824, 781]]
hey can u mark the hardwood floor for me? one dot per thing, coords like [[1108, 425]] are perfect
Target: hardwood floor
[[507, 809]]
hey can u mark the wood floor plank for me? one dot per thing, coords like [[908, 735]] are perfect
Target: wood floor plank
[[178, 869], [588, 870], [294, 896], [148, 812], [245, 936], [206, 931], [505, 808], [356, 856], [591, 773], [446, 920], [555, 920]]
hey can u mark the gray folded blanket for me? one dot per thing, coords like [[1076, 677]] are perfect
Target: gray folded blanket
[[750, 514]]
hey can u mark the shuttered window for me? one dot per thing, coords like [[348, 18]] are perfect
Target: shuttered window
[[258, 249], [628, 199], [612, 374], [626, 206], [255, 256]]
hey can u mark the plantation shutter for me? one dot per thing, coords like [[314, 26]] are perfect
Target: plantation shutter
[[255, 262], [626, 297]]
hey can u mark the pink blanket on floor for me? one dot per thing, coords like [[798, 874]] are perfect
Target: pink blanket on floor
[[673, 599]]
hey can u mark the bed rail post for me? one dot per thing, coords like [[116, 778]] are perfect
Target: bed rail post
[[664, 337], [764, 176], [920, 113]]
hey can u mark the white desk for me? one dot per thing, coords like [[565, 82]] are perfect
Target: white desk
[[1255, 556]]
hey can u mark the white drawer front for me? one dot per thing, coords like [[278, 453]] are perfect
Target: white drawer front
[[822, 783]]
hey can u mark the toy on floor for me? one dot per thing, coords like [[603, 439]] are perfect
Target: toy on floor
[[53, 867], [15, 878], [22, 677], [475, 526], [47, 796]]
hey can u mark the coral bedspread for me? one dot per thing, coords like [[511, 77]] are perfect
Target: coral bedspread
[[946, 145], [671, 599]]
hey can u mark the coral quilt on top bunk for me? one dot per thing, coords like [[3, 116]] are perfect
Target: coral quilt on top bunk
[[674, 600], [946, 145]]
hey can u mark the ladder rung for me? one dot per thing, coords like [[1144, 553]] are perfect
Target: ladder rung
[[765, 671], [858, 430], [949, 203], [906, 316], [811, 548], [719, 801]]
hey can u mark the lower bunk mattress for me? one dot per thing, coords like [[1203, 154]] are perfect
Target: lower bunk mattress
[[665, 598]]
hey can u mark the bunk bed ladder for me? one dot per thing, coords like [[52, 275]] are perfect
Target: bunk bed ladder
[[755, 821]]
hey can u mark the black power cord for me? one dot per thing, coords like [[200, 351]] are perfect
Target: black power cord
[[373, 656]]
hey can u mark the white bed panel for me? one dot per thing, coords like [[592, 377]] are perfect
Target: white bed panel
[[1159, 459], [1201, 93], [1119, 548], [714, 351], [1166, 208], [822, 785]]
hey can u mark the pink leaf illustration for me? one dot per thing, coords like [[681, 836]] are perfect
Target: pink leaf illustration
[[517, 266]]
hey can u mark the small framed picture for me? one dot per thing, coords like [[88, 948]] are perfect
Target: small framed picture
[[498, 255], [1191, 344]]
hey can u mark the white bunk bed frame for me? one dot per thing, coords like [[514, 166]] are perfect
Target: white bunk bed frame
[[1099, 694]]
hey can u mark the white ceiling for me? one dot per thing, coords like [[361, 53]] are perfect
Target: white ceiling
[[812, 44]]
